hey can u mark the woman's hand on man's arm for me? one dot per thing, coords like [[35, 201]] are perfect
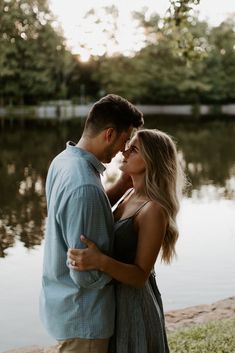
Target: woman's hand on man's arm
[[85, 259]]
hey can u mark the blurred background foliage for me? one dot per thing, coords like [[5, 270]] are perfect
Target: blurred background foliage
[[183, 60]]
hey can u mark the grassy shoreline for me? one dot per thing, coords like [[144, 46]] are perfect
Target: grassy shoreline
[[213, 337]]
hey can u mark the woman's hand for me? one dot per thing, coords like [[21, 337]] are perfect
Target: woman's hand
[[84, 259]]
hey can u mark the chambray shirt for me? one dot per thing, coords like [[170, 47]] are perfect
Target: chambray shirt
[[76, 304]]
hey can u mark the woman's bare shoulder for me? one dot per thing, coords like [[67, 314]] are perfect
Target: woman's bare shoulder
[[153, 207], [152, 212], [151, 223]]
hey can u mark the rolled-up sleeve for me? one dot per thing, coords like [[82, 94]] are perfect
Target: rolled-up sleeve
[[87, 211]]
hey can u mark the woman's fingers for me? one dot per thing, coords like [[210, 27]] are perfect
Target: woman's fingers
[[77, 260], [73, 253], [82, 259], [76, 268], [86, 241]]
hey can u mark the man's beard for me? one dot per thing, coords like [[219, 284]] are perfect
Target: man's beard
[[109, 153]]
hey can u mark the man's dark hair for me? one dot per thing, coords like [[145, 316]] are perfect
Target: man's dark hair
[[113, 111]]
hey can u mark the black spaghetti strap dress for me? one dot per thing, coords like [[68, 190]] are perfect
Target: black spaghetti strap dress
[[140, 324]]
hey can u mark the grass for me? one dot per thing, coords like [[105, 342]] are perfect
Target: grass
[[215, 337]]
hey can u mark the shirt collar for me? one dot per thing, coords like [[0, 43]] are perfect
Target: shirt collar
[[71, 147]]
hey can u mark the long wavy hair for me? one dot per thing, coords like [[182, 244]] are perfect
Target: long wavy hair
[[164, 181]]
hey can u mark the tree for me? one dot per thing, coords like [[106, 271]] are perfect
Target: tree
[[83, 86], [177, 29], [220, 65], [32, 52], [155, 74]]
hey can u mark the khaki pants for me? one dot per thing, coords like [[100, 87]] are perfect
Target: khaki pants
[[82, 345]]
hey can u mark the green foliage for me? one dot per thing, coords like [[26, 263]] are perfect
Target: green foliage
[[156, 75], [215, 337], [33, 56], [178, 29], [182, 59], [83, 85], [220, 65]]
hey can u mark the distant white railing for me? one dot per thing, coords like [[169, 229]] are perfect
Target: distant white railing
[[69, 111]]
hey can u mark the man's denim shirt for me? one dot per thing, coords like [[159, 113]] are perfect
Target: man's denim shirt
[[76, 304]]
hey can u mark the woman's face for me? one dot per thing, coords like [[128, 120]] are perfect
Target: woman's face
[[133, 162]]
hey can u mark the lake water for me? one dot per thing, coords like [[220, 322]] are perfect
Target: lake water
[[204, 270]]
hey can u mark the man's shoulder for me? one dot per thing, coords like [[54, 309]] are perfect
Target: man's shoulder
[[74, 178], [88, 190], [72, 168]]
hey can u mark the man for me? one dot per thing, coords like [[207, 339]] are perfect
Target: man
[[77, 308]]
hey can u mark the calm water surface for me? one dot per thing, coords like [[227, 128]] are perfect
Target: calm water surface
[[204, 270]]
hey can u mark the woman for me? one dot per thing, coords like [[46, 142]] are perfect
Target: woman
[[145, 224]]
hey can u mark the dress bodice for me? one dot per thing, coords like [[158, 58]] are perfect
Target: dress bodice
[[126, 238]]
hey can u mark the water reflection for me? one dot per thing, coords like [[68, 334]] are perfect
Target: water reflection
[[207, 152], [24, 160], [209, 157]]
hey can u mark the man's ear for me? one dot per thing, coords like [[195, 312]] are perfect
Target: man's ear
[[110, 134]]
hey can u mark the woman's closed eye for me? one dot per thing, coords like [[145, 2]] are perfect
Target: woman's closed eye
[[133, 149]]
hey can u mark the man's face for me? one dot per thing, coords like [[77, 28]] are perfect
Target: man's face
[[117, 144]]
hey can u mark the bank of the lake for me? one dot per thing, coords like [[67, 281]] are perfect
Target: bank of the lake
[[196, 326]]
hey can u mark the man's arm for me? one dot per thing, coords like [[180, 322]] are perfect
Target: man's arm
[[119, 188], [151, 224], [87, 212]]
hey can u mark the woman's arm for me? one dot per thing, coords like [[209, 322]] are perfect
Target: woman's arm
[[151, 224]]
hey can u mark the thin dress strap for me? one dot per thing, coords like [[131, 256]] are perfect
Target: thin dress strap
[[121, 199], [140, 208]]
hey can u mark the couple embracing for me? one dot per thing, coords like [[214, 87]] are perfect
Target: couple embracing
[[99, 293]]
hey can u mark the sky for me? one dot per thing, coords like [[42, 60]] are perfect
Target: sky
[[70, 14]]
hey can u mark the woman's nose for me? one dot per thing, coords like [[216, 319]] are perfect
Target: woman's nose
[[126, 153]]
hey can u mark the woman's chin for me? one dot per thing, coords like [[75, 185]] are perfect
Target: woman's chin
[[122, 167]]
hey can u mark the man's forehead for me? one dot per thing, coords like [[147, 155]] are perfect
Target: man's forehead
[[130, 132], [126, 135]]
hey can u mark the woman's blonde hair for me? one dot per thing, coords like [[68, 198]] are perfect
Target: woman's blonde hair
[[164, 181]]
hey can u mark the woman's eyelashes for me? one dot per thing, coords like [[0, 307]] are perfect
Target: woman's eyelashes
[[132, 149]]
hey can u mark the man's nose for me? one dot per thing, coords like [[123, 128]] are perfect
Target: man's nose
[[122, 149]]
